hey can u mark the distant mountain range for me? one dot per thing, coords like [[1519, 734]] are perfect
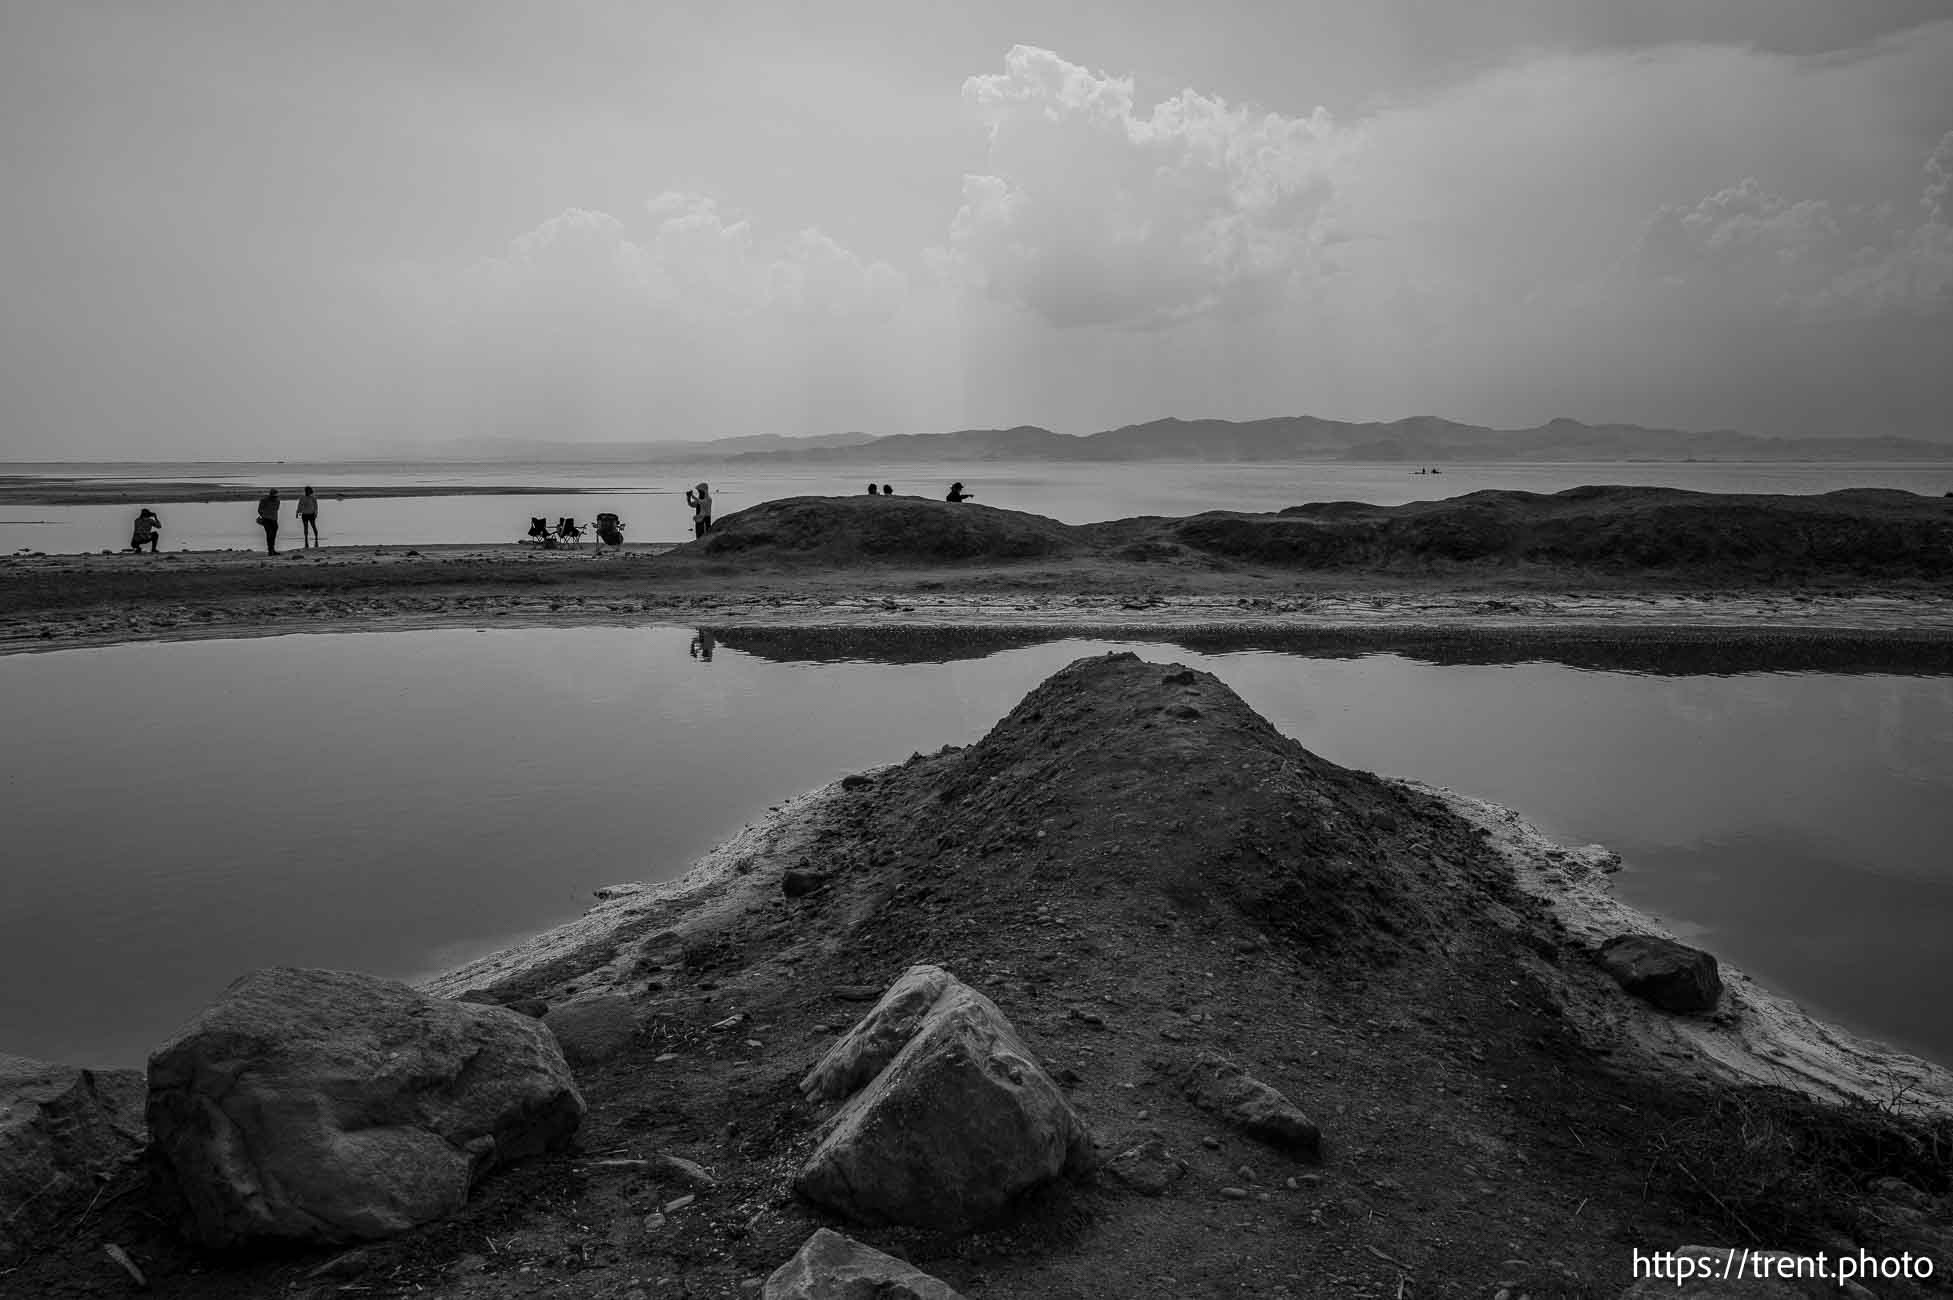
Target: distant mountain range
[[1419, 440]]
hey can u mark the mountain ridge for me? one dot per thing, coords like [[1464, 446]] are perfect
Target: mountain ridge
[[1415, 439]]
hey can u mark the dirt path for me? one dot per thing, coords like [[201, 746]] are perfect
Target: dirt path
[[69, 601]]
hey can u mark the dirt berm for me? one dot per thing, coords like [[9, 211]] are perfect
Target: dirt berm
[[1137, 869], [1864, 533], [1873, 532], [842, 530]]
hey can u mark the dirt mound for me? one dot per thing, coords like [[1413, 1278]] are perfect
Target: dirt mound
[[1117, 774], [855, 528], [1854, 533]]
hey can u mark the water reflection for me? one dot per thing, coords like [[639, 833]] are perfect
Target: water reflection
[[1678, 652], [457, 788]]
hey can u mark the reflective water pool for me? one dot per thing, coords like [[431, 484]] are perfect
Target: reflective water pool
[[178, 813]]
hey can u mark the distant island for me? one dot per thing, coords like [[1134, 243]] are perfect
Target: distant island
[[1420, 440]]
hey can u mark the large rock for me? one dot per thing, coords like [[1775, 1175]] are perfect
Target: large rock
[[1670, 975], [62, 1131], [1709, 1273], [323, 1106], [1222, 1088], [960, 1120], [593, 1028], [832, 1267], [865, 1051]]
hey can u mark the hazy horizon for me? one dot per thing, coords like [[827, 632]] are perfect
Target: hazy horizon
[[302, 231]]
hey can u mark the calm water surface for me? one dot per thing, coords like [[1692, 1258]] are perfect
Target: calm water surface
[[651, 499], [179, 813]]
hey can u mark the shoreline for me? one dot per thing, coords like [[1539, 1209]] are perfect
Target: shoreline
[[26, 490], [1757, 1037]]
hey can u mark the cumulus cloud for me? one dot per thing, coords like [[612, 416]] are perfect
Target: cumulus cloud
[[694, 260], [595, 325], [1939, 181], [1091, 213], [1807, 258]]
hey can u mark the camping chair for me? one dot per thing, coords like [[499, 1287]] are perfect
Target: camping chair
[[567, 530], [610, 530], [539, 531]]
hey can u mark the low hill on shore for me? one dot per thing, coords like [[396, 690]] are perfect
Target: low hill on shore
[[1858, 533]]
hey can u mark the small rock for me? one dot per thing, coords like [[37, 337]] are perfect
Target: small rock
[[1211, 1143], [1148, 1168], [1663, 973], [673, 1206], [1235, 1193], [798, 884], [856, 781], [829, 1266], [1218, 1085], [653, 1222]]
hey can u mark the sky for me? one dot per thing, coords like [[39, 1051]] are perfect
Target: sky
[[293, 229]]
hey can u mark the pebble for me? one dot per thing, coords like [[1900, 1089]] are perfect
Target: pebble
[[1247, 1173], [1235, 1193], [668, 1056], [680, 1203], [1211, 1143], [653, 1222]]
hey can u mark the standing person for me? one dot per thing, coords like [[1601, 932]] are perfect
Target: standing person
[[887, 491], [700, 500], [308, 518], [873, 490], [148, 531], [956, 493], [268, 520]]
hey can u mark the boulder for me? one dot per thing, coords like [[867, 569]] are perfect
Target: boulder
[[960, 1121], [829, 1266], [1666, 974], [1224, 1089], [594, 1028], [63, 1130], [1715, 1274], [321, 1106], [864, 1051]]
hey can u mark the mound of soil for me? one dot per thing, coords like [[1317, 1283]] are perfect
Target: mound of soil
[[1859, 532], [840, 530], [1121, 777]]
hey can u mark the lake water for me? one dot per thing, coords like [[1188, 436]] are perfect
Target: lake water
[[651, 499], [179, 813]]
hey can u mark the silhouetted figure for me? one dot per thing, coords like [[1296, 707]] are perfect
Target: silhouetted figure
[[956, 493], [887, 491], [874, 491], [700, 500], [148, 531], [703, 644], [610, 530], [268, 520], [308, 518]]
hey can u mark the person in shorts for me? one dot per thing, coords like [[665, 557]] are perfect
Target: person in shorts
[[308, 518]]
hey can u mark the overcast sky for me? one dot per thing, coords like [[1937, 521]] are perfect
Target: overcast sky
[[301, 229]]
